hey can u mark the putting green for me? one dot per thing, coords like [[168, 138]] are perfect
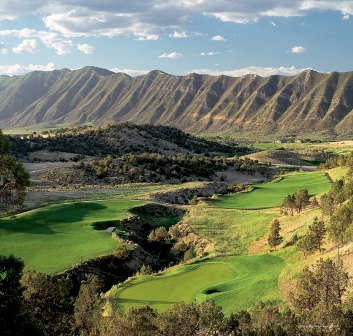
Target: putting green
[[272, 194], [232, 282], [56, 237]]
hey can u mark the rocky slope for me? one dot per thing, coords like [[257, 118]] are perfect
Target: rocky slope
[[308, 102]]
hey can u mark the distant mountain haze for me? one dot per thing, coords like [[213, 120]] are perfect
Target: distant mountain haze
[[308, 102]]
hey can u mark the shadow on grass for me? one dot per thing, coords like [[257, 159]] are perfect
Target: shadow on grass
[[143, 302], [45, 220]]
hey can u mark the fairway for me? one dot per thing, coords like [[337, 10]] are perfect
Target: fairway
[[56, 237], [234, 283], [272, 194]]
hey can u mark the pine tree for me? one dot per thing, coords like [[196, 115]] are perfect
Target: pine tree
[[318, 231], [275, 237]]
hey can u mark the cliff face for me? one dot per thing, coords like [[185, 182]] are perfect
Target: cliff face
[[308, 102]]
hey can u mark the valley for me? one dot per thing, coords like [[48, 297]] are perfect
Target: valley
[[197, 233]]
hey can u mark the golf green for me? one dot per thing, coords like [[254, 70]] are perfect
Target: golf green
[[232, 282], [56, 237]]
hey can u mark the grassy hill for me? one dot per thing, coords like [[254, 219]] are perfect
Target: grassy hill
[[232, 282], [311, 102], [54, 238]]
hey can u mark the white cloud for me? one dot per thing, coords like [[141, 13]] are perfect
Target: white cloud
[[274, 24], [60, 44], [130, 72], [171, 55], [218, 38], [144, 37], [85, 48], [210, 53], [297, 49], [26, 46], [49, 67], [179, 35], [253, 70], [4, 51], [345, 17], [61, 48], [151, 17], [17, 69]]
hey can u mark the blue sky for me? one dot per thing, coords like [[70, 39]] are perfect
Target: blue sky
[[232, 37]]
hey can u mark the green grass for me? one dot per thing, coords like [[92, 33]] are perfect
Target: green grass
[[337, 173], [232, 231], [234, 283], [271, 194], [55, 237]]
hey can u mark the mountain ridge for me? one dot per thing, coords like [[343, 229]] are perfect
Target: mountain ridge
[[307, 102]]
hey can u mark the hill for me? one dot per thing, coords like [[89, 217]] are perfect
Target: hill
[[119, 139], [311, 102]]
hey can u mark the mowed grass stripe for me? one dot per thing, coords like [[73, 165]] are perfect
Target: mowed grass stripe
[[232, 282], [269, 195], [56, 237]]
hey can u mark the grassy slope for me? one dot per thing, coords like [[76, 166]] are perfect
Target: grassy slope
[[232, 282], [270, 195], [337, 173], [55, 237], [231, 230]]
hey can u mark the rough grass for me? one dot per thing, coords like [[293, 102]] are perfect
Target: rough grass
[[337, 173], [234, 283], [231, 231], [55, 237], [271, 194], [123, 191]]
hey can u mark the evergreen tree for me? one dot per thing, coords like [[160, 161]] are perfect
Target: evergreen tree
[[339, 223], [318, 299], [318, 231], [307, 244], [275, 237], [301, 199]]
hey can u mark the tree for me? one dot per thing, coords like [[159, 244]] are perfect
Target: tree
[[339, 222], [306, 244], [275, 237], [301, 199], [136, 322], [318, 231], [86, 307], [158, 235], [289, 203], [326, 283], [327, 205], [48, 299], [13, 319], [318, 299], [10, 294], [13, 178]]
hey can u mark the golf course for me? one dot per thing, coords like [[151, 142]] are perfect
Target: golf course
[[52, 239], [232, 282]]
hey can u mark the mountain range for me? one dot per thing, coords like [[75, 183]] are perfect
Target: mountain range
[[310, 102]]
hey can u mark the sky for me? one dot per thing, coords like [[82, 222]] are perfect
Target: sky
[[230, 37]]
